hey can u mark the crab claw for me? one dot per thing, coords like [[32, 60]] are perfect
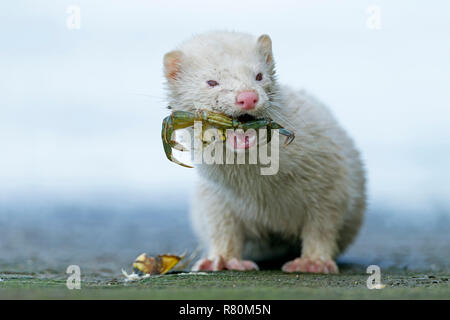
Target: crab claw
[[168, 143]]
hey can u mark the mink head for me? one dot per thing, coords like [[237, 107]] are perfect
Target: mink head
[[226, 72]]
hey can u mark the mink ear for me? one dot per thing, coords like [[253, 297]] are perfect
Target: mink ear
[[265, 48], [172, 64]]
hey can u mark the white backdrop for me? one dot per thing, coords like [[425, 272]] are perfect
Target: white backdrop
[[81, 109]]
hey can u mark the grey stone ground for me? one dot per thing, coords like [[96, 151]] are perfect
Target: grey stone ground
[[103, 239]]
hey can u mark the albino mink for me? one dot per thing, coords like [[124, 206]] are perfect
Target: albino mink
[[316, 200]]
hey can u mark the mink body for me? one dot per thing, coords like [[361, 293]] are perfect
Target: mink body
[[317, 198]]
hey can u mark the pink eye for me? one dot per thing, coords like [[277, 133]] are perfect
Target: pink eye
[[212, 83], [259, 76]]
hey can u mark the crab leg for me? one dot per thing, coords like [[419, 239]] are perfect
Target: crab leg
[[215, 119], [256, 124], [290, 136]]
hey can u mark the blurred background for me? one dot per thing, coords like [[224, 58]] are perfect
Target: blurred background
[[83, 176]]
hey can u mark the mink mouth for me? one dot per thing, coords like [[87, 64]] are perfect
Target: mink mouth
[[246, 118]]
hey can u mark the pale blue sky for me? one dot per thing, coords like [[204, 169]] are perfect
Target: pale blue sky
[[81, 110]]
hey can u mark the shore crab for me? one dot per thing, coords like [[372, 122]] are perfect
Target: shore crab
[[183, 119]]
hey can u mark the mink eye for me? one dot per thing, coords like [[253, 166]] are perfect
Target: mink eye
[[259, 76], [212, 83]]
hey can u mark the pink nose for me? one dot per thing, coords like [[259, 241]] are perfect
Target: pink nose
[[247, 99]]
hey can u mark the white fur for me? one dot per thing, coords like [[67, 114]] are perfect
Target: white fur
[[318, 196]]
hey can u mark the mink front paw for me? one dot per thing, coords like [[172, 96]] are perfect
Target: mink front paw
[[220, 263], [308, 265]]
